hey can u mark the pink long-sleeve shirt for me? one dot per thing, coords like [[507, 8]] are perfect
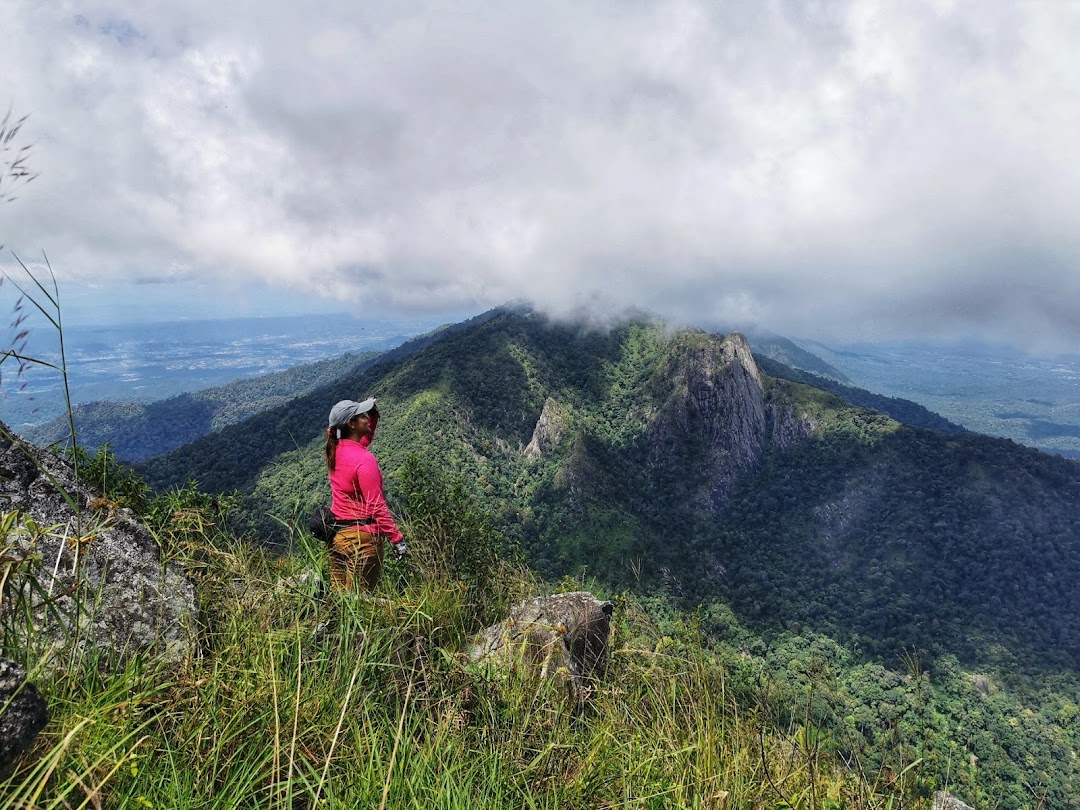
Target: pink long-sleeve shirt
[[356, 489]]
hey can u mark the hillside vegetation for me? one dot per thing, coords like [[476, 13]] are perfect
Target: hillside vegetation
[[135, 431], [667, 463], [300, 697]]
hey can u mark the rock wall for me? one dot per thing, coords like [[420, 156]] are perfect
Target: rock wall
[[716, 404], [548, 433], [91, 572]]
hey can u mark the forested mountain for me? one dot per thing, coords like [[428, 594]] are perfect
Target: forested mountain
[[902, 410], [786, 353], [633, 452], [671, 463]]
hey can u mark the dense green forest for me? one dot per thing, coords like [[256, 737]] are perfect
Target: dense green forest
[[784, 517]]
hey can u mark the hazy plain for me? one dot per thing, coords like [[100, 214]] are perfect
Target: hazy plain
[[142, 362], [992, 389]]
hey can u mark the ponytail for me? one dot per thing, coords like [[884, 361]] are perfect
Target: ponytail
[[331, 448]]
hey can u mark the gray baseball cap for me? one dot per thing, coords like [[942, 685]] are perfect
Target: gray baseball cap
[[347, 409]]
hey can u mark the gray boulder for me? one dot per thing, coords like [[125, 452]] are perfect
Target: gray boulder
[[22, 712], [91, 575], [946, 801], [564, 636]]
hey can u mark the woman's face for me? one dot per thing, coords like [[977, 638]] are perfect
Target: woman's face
[[364, 424]]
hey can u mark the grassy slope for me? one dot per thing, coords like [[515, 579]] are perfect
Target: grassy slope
[[301, 698]]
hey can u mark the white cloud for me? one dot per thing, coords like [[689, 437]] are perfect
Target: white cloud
[[843, 168]]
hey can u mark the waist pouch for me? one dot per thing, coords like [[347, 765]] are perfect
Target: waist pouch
[[324, 525]]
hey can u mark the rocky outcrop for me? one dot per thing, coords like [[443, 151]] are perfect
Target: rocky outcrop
[[22, 712], [946, 801], [715, 408], [785, 427], [564, 636], [548, 432], [91, 572]]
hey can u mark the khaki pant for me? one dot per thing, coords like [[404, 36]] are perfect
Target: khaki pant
[[355, 560]]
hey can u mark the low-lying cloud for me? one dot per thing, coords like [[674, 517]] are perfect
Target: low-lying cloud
[[841, 169]]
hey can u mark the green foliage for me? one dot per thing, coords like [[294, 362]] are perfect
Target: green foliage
[[115, 481], [444, 522], [902, 410], [186, 519]]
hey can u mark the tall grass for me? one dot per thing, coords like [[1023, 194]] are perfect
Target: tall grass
[[15, 168], [301, 697]]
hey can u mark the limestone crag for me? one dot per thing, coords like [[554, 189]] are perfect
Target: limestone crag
[[785, 427], [548, 432], [108, 591]]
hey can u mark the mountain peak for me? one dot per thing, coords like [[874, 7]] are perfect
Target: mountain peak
[[715, 407], [737, 348]]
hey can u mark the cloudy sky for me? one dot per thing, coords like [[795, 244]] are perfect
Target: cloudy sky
[[829, 169]]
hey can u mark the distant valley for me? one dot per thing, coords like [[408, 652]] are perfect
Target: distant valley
[[994, 390]]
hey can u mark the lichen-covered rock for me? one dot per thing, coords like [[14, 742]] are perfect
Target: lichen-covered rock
[[23, 712], [93, 573], [564, 636]]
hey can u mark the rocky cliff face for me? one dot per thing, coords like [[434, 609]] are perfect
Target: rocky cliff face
[[90, 573], [716, 405], [548, 432]]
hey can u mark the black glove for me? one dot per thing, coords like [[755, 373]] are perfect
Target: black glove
[[399, 550]]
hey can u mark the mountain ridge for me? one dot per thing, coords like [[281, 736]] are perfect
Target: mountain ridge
[[136, 431]]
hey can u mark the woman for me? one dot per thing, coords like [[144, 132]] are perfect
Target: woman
[[356, 488]]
